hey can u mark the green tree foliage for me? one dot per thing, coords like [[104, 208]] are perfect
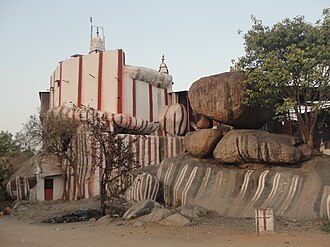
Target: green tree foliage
[[31, 136], [8, 145], [9, 148], [288, 67]]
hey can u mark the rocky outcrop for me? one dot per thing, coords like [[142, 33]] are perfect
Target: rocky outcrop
[[219, 97], [302, 192], [201, 143], [256, 146], [173, 119]]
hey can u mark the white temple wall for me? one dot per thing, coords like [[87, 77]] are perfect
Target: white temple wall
[[89, 86], [110, 83], [69, 83]]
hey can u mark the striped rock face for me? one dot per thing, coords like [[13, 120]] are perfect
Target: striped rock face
[[137, 125], [18, 188], [256, 146], [219, 97], [145, 186], [290, 192], [173, 119]]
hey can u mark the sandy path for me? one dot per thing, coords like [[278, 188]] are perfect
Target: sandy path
[[15, 233]]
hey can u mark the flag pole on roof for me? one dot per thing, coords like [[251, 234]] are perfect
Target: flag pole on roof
[[91, 21]]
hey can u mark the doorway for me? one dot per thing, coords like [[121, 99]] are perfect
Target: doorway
[[49, 187]]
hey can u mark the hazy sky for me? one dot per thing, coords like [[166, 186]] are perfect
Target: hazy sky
[[198, 38]]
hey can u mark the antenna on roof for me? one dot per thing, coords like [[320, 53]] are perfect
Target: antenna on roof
[[97, 43], [91, 21]]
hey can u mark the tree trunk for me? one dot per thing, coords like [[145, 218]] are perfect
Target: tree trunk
[[306, 132], [103, 193], [308, 137], [64, 192]]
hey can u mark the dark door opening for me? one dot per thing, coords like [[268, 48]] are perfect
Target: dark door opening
[[49, 183]]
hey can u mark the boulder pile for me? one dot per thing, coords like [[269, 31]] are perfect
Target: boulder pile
[[219, 98]]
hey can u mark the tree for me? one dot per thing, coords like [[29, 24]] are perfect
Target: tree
[[31, 136], [53, 135], [115, 159], [9, 148], [288, 67]]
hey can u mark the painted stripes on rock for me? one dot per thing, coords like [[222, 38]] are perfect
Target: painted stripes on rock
[[18, 188], [145, 186], [173, 119], [237, 192]]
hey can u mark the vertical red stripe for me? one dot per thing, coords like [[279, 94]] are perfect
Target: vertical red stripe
[[257, 225], [188, 113], [151, 106], [93, 168], [143, 149], [80, 80], [155, 148], [51, 92], [172, 146], [99, 82], [181, 120], [130, 145], [166, 96], [60, 86], [134, 98], [174, 123], [149, 150], [264, 215], [54, 89], [120, 82], [137, 154]]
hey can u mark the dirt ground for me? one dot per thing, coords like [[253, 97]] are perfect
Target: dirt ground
[[24, 228]]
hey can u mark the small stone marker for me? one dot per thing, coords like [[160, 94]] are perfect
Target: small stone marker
[[264, 220]]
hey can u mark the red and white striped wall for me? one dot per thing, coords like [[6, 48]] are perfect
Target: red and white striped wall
[[148, 150], [99, 80]]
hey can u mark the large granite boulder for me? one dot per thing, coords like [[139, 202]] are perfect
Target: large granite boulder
[[219, 97], [173, 119], [256, 146], [201, 143]]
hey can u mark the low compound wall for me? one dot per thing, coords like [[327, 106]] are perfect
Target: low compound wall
[[302, 192]]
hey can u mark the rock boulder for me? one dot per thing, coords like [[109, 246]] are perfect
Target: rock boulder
[[204, 123], [173, 119], [256, 146], [201, 143], [175, 220], [141, 208], [219, 97]]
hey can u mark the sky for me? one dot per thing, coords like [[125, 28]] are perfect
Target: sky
[[198, 38]]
